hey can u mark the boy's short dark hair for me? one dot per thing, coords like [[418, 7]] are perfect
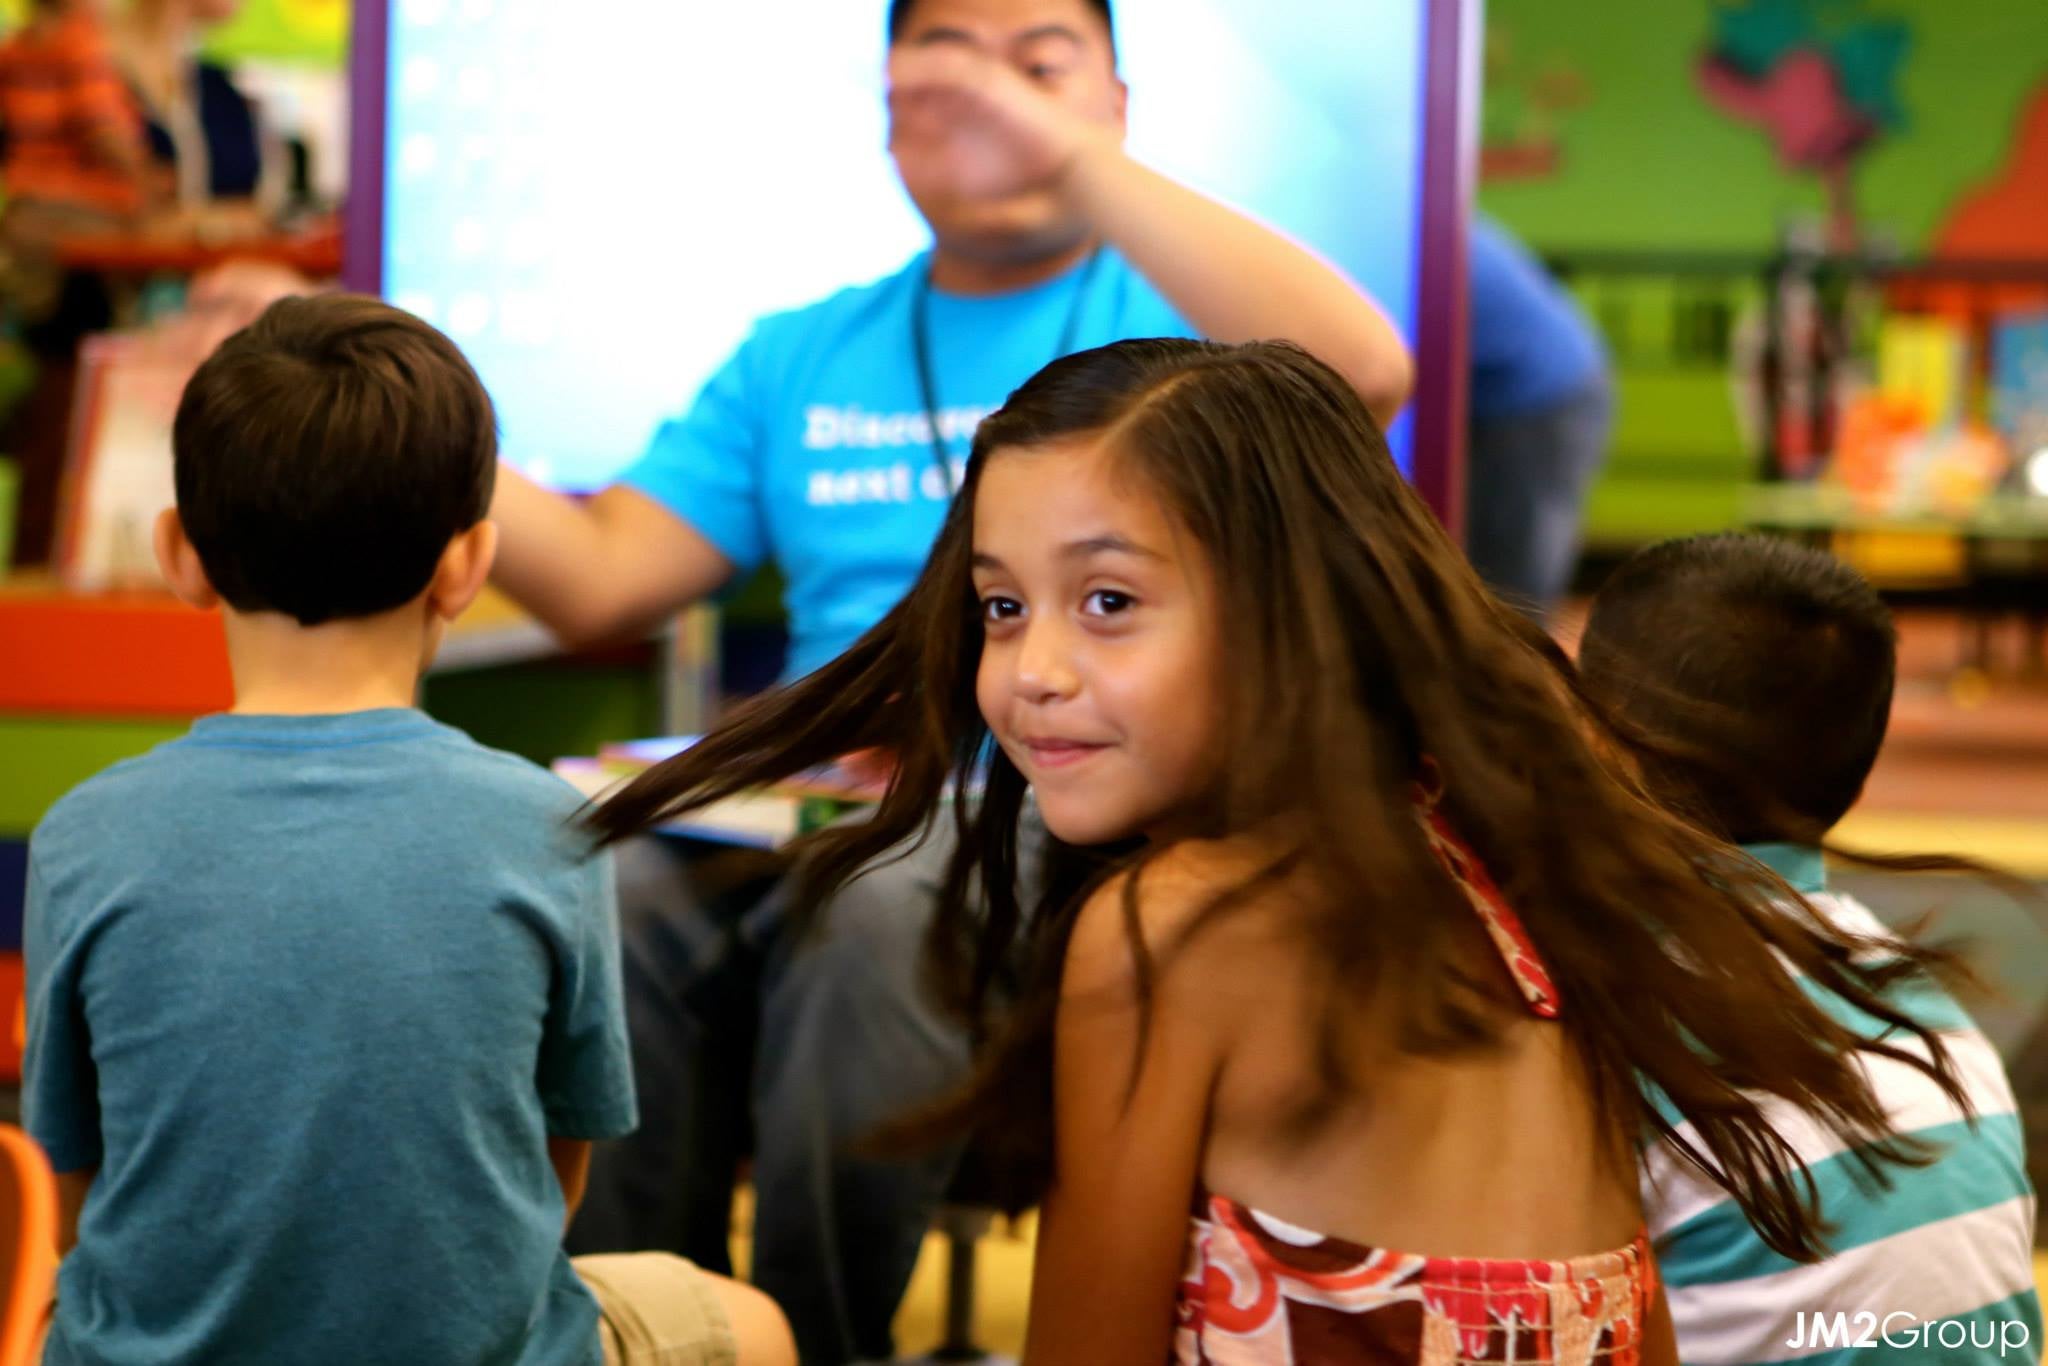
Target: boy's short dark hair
[[899, 16], [326, 454], [1765, 666]]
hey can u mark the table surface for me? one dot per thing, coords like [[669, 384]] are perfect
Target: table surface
[[1829, 507]]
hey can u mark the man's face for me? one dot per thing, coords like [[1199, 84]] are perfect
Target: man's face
[[1064, 48]]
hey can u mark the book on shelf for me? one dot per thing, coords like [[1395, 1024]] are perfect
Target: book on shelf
[[2019, 381], [1923, 364]]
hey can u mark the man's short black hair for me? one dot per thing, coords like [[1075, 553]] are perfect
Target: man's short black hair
[[899, 16], [326, 454], [1766, 666]]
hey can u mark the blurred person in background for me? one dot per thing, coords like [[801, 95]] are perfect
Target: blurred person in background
[[113, 123], [1541, 410], [74, 153], [829, 444], [209, 150], [74, 163]]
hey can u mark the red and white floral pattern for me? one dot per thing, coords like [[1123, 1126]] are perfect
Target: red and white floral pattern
[[1260, 1292]]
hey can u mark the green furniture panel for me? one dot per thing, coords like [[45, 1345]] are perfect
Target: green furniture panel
[[43, 757]]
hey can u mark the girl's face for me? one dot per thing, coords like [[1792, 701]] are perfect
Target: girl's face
[[1099, 667]]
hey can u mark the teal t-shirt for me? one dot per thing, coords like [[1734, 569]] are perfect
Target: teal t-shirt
[[812, 445], [312, 993]]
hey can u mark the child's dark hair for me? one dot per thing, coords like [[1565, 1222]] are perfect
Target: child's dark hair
[[899, 16], [326, 454], [1757, 671], [1363, 652]]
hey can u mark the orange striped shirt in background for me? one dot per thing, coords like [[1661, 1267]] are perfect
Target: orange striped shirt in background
[[61, 99]]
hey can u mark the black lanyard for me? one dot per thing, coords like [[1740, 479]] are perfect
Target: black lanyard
[[921, 349]]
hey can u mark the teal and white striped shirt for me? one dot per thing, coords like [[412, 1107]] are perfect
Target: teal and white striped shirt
[[1939, 1268]]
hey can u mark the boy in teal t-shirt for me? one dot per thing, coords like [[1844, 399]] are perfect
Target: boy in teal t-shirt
[[323, 998]]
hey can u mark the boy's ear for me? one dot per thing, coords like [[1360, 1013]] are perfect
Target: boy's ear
[[464, 567], [180, 562]]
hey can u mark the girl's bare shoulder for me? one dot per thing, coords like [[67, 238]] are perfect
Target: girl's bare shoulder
[[1198, 908]]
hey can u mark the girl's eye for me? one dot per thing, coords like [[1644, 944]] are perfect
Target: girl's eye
[[1107, 602], [1001, 609], [1043, 72]]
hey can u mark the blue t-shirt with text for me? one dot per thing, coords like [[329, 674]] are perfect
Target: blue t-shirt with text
[[812, 445], [312, 993]]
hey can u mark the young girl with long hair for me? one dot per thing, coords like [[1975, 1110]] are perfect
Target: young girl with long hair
[[1330, 1037]]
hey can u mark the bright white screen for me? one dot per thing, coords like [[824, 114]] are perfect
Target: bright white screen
[[595, 199]]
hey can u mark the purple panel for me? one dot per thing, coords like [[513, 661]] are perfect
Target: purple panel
[[1450, 93], [362, 262]]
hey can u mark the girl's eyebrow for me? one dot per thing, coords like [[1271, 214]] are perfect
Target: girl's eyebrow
[[1107, 544]]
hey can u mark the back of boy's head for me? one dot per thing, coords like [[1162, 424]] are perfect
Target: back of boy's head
[[325, 456], [1755, 673]]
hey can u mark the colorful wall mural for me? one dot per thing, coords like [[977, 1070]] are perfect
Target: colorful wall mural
[[1712, 124]]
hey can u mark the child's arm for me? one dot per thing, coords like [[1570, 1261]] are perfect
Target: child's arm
[[1114, 1229], [585, 1066], [570, 1158], [72, 1188], [59, 1082]]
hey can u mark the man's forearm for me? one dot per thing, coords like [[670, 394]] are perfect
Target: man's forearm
[[613, 566], [547, 545], [1236, 280]]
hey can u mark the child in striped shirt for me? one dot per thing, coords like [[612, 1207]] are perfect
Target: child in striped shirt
[[71, 149], [1755, 675], [73, 132]]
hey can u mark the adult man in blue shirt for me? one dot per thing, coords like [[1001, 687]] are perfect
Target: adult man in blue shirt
[[830, 443], [1541, 406]]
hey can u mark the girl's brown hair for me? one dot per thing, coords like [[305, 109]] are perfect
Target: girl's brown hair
[[1361, 649]]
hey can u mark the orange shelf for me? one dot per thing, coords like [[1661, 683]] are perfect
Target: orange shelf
[[315, 254], [126, 654], [145, 654]]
